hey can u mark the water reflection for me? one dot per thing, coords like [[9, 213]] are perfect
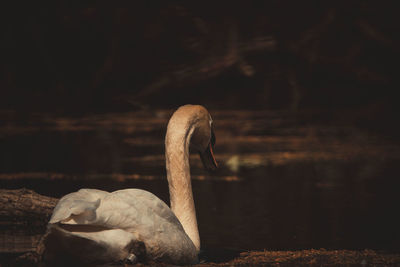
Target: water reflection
[[280, 186]]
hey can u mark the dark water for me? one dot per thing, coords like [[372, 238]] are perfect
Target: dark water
[[283, 183]]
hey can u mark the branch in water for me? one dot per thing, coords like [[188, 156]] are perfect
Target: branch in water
[[24, 205]]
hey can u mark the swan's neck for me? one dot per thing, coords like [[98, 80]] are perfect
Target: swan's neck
[[178, 173]]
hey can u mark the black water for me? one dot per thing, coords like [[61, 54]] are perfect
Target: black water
[[268, 194]]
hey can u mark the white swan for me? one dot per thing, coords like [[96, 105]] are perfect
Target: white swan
[[96, 226]]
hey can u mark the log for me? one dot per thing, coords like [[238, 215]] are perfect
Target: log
[[23, 205]]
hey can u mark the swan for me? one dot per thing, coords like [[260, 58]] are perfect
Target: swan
[[129, 225]]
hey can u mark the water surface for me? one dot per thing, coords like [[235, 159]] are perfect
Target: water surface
[[284, 182]]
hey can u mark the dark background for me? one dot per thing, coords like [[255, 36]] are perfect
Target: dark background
[[252, 54]]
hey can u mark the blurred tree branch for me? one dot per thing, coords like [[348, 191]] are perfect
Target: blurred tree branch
[[213, 65]]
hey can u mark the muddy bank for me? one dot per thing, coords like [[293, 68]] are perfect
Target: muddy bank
[[312, 257]]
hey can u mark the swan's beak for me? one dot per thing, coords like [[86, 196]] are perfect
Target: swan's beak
[[207, 157]]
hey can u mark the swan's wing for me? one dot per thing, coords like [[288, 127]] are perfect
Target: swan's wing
[[127, 209], [133, 208], [137, 212], [78, 207]]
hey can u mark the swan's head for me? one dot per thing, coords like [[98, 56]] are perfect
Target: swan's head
[[197, 118], [203, 140]]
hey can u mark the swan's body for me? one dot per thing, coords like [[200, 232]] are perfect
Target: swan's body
[[97, 226]]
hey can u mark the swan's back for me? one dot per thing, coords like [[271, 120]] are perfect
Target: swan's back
[[94, 225]]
